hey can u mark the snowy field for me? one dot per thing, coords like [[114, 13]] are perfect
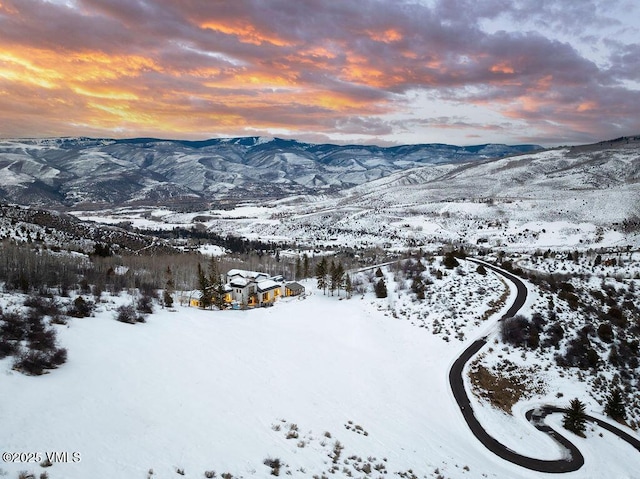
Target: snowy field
[[191, 392]]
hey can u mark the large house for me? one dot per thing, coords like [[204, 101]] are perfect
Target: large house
[[253, 288], [250, 289], [247, 289]]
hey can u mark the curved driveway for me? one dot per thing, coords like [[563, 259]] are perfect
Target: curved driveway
[[572, 459]]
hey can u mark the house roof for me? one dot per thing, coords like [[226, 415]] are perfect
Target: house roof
[[267, 284], [246, 274], [294, 286], [239, 282]]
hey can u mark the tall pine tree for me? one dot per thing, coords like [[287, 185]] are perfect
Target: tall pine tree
[[337, 276], [203, 286], [615, 405], [321, 274], [380, 289], [216, 286], [305, 265], [348, 287], [574, 417], [169, 288], [298, 268]]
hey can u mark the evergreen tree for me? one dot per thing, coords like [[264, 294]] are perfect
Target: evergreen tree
[[216, 287], [219, 295], [348, 286], [305, 265], [615, 405], [169, 288], [336, 273], [417, 286], [574, 417], [533, 341], [321, 274], [381, 289], [298, 268], [332, 274], [379, 273], [450, 261], [203, 286]]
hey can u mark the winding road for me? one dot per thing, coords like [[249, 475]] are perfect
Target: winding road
[[571, 459]]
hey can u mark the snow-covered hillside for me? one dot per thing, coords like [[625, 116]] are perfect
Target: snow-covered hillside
[[322, 386]]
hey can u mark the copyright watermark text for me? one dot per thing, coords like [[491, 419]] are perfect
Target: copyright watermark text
[[51, 457]]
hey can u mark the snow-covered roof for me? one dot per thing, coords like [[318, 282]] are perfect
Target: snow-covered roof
[[267, 284], [239, 282], [246, 274]]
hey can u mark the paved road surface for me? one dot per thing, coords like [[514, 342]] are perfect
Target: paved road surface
[[571, 458]]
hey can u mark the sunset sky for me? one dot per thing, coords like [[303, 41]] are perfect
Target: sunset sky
[[464, 72]]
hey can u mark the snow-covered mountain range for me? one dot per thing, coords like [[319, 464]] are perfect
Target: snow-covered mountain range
[[599, 183], [79, 171]]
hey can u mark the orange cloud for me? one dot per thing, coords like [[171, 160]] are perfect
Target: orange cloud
[[245, 33], [587, 106], [388, 36], [502, 68]]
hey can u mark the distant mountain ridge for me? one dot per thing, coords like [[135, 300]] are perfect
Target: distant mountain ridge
[[599, 183], [72, 172]]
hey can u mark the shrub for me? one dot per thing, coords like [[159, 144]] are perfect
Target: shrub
[[7, 348], [59, 357], [605, 332], [450, 261], [81, 308], [13, 326], [515, 330], [274, 464], [42, 339], [580, 353], [145, 304], [555, 333], [337, 450], [127, 314], [44, 306], [31, 362]]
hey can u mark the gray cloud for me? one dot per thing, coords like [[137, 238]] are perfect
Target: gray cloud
[[311, 65]]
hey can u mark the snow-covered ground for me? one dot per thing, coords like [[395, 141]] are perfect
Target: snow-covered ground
[[405, 219], [194, 391]]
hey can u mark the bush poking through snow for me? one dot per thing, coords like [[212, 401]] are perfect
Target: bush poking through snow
[[127, 314], [145, 304], [81, 308], [274, 464], [450, 261], [337, 450]]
